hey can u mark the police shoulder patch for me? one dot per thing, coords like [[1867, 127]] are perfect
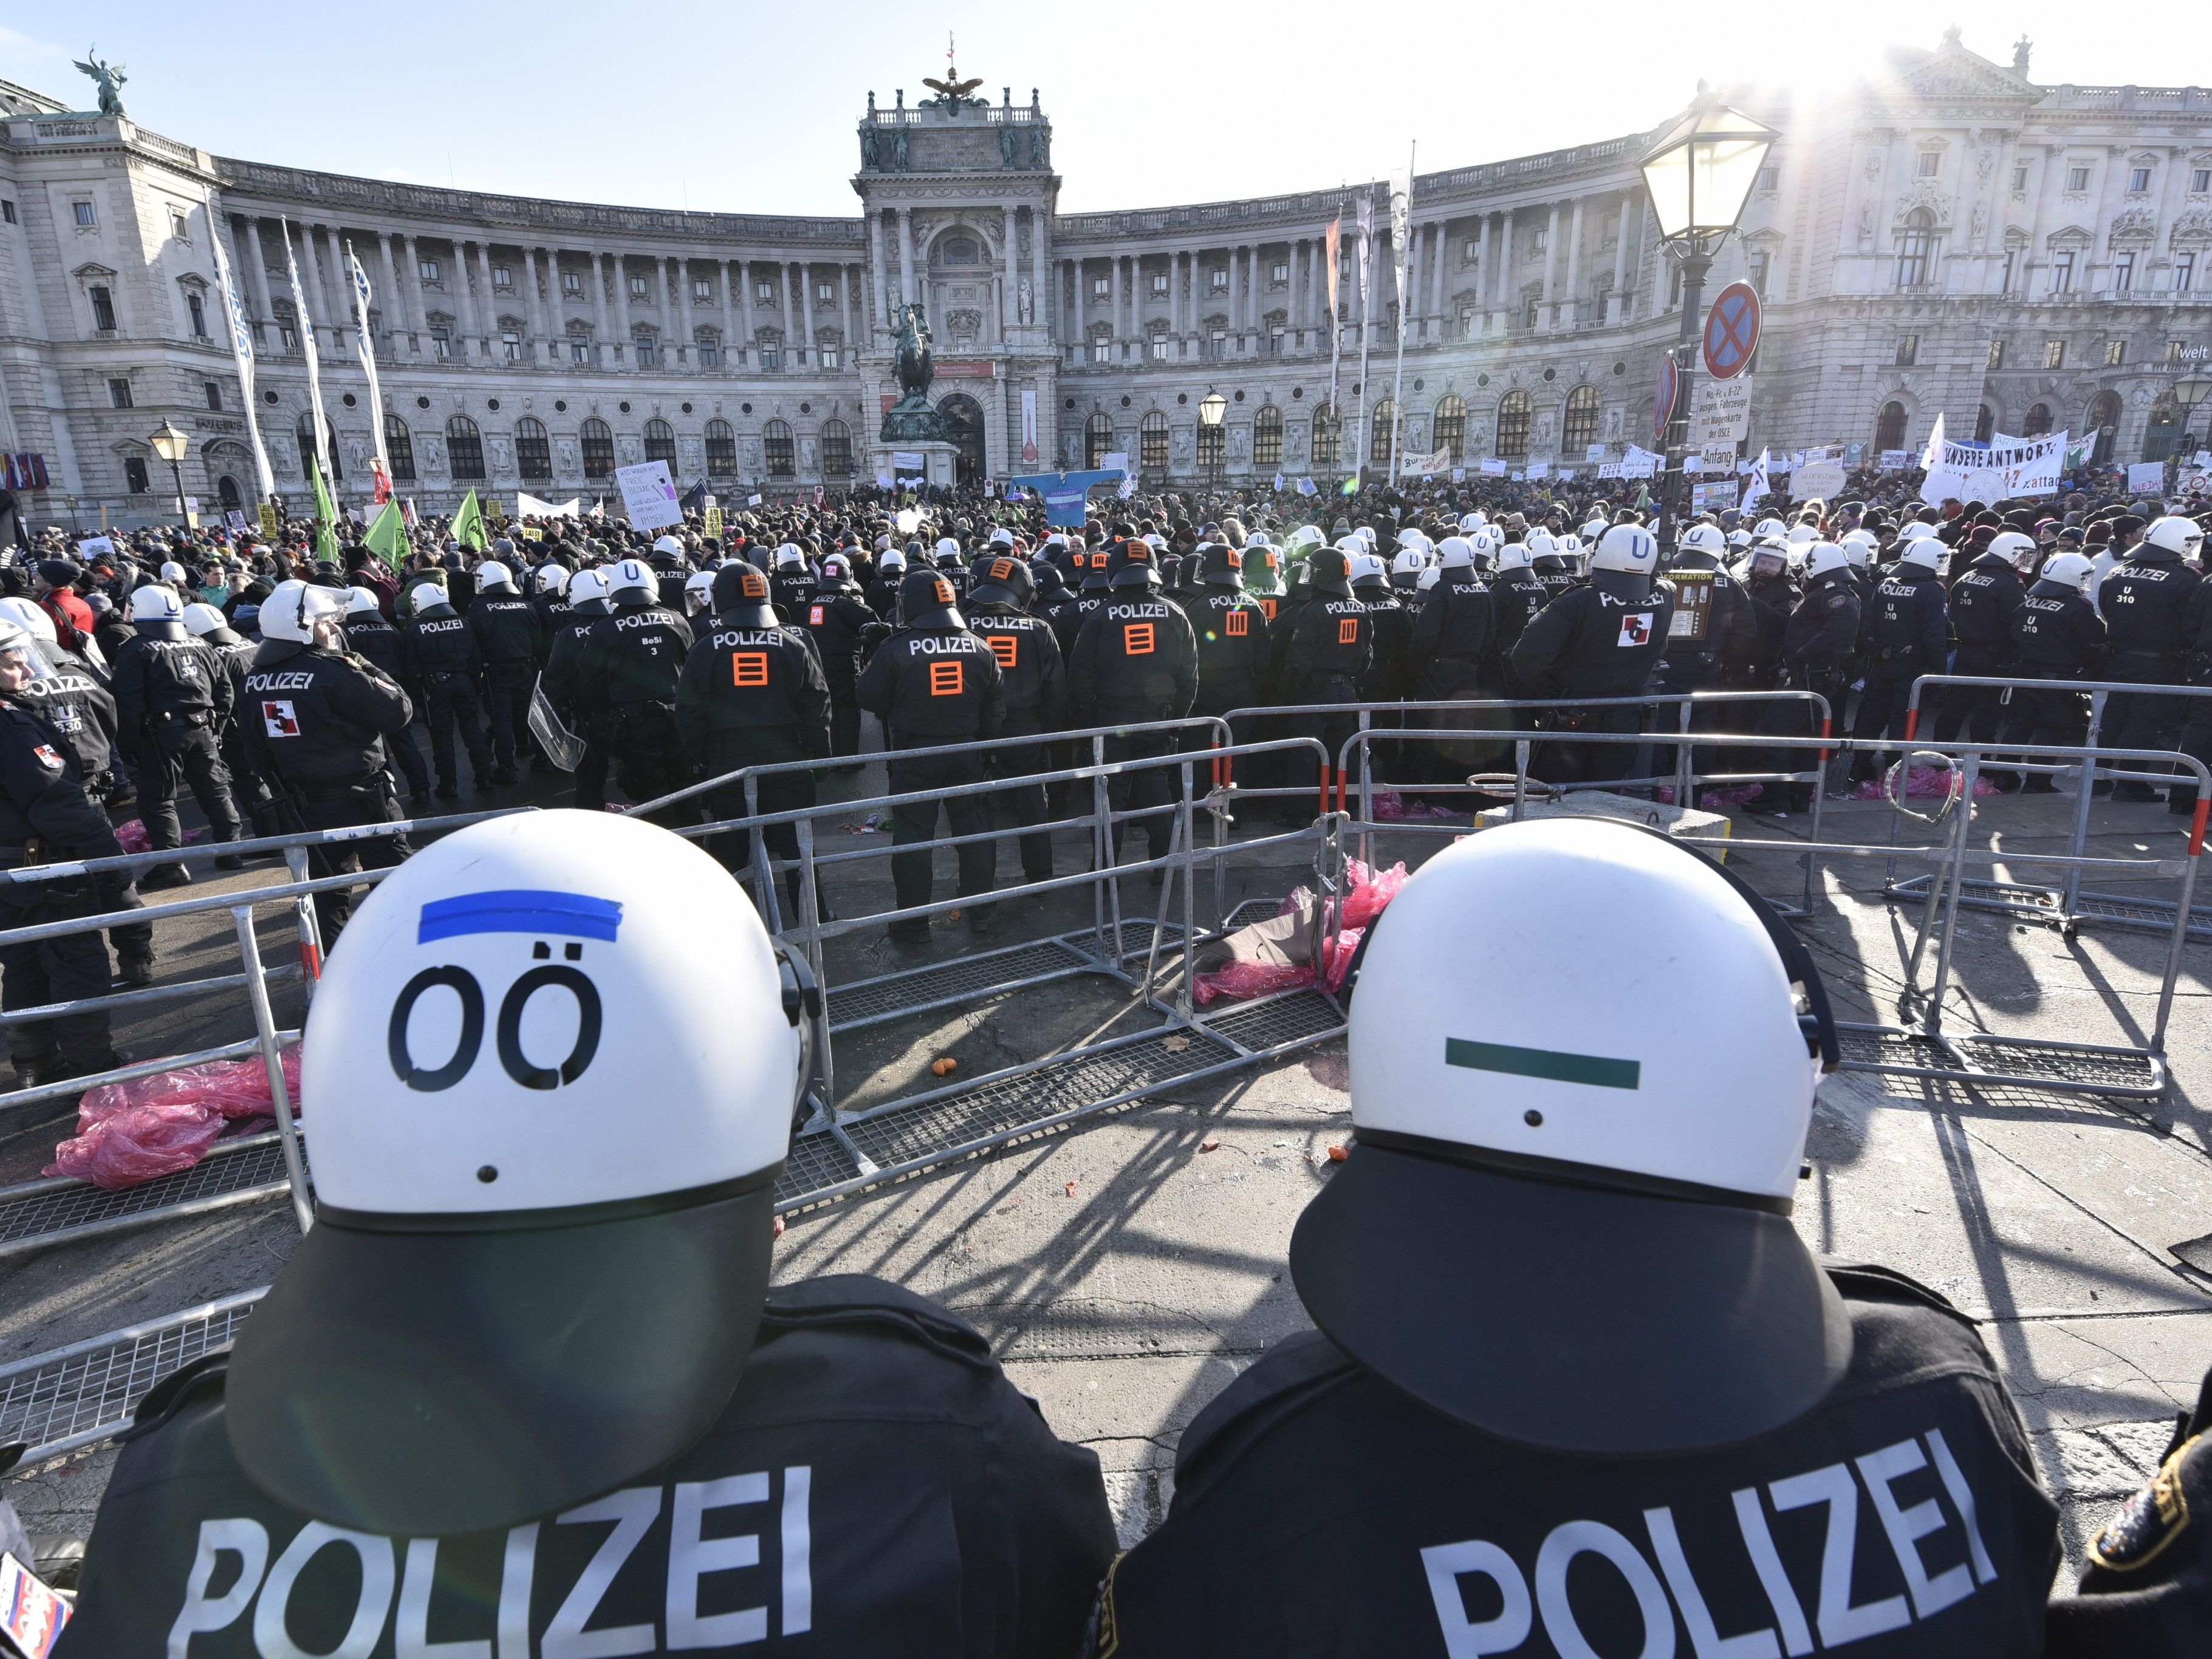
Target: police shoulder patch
[[48, 758], [2146, 1522]]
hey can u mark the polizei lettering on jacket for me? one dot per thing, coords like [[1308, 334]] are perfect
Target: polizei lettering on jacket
[[724, 637], [1138, 612], [441, 625], [946, 645], [279, 682]]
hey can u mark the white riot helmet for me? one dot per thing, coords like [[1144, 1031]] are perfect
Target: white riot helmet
[[362, 602], [587, 586], [1429, 579], [1366, 533], [668, 547], [1542, 544], [1626, 547], [154, 602], [551, 578], [1679, 1309], [2012, 546], [788, 558], [1822, 558], [1470, 522], [1411, 536], [890, 562], [172, 573], [1593, 529], [492, 574], [1455, 553], [1514, 556], [292, 610], [1739, 538], [1766, 527], [1704, 538], [14, 640], [629, 575], [1916, 530], [484, 1327], [2068, 570], [420, 598], [1366, 567], [31, 617], [1799, 534], [2175, 534], [947, 548], [1924, 552], [698, 591], [1858, 552], [201, 620]]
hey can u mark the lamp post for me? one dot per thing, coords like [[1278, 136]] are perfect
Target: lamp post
[[2190, 391], [170, 445], [1699, 173]]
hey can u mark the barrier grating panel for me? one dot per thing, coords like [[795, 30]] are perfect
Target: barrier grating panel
[[960, 979], [1861, 1047], [938, 1129], [1251, 910], [74, 1394], [252, 1171], [2076, 1068], [1299, 1017], [817, 1163]]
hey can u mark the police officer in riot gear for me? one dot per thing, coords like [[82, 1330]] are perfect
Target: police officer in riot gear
[[640, 649], [370, 634], [236, 654], [1714, 625], [752, 693], [1516, 597], [841, 627], [170, 693], [1332, 643], [792, 586], [1819, 645], [316, 721], [2058, 637], [1670, 1411], [671, 567], [510, 639], [1036, 693], [881, 594], [1136, 663], [1601, 640], [1548, 564], [578, 694], [1984, 594], [934, 684], [548, 596], [1390, 669], [479, 1377], [1901, 637], [439, 654], [2146, 600]]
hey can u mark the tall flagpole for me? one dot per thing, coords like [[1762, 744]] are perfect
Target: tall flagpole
[[1359, 393], [322, 428], [1402, 233], [1330, 244], [242, 350], [362, 295]]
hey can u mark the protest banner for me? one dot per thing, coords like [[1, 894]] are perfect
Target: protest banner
[[649, 495]]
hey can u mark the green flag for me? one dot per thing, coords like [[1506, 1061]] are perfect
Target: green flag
[[469, 525], [387, 536], [327, 519], [1351, 486]]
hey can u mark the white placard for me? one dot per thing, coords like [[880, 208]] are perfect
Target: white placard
[[2146, 477], [649, 495], [1116, 461], [1593, 452], [1493, 469], [92, 544], [1823, 480], [1720, 413], [1540, 469]]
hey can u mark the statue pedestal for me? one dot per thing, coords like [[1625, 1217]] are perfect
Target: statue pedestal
[[940, 463]]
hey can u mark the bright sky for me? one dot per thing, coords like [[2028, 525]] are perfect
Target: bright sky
[[752, 108]]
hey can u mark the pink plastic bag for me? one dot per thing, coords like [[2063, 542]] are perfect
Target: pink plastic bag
[[1336, 954], [1370, 891], [134, 839], [138, 1144], [230, 1088], [1923, 783], [1240, 979]]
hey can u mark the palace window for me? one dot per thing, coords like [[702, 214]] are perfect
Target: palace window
[[1996, 354], [836, 449], [1097, 438], [721, 450], [1279, 274], [1985, 423], [2200, 181], [1769, 180], [1450, 426], [710, 351], [1102, 344], [1382, 434], [1101, 288], [533, 454], [702, 290], [1514, 410], [1579, 430], [1267, 436], [2124, 273], [2037, 423], [829, 353], [214, 394], [197, 312], [1755, 267], [2116, 353], [771, 350], [1217, 280], [510, 345], [2077, 180], [1159, 342], [429, 270], [118, 393], [764, 293], [1931, 163], [648, 351], [637, 287], [572, 284], [2062, 272], [580, 344], [442, 343], [399, 447], [2054, 354], [503, 279], [1908, 350], [103, 310], [660, 443], [2184, 271], [1915, 249], [86, 218], [1217, 342], [2020, 178], [825, 294], [782, 460], [134, 475], [1327, 437], [1153, 442], [599, 449], [465, 445], [1889, 426], [1159, 285], [2138, 180]]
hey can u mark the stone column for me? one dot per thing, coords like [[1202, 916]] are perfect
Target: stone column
[[307, 294], [1114, 323], [878, 276], [544, 302], [683, 304], [490, 300], [1009, 302], [802, 274], [783, 286], [1481, 271], [1575, 265], [1550, 265], [1507, 301], [329, 297], [906, 296], [1039, 301], [1617, 301], [847, 282], [733, 343], [394, 306], [745, 311], [602, 353], [257, 270], [410, 258], [1439, 298]]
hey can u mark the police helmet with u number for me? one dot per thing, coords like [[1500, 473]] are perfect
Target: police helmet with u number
[[549, 1075], [293, 608], [155, 611], [739, 596], [1639, 1181]]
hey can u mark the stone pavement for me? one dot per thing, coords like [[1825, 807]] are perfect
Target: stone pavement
[[1126, 1271]]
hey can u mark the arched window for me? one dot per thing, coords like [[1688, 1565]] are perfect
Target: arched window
[[2037, 423], [836, 450], [782, 456], [134, 475], [1327, 436], [532, 453], [1986, 421], [721, 450], [1153, 442], [1380, 434], [1513, 412], [1212, 433], [599, 449], [399, 445], [1097, 438], [1917, 247], [660, 444], [1889, 426], [225, 491], [1579, 430], [2104, 423], [1451, 426], [2163, 435], [465, 445], [1267, 436], [308, 450]]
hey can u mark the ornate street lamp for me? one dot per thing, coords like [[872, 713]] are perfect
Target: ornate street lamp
[[170, 445], [1698, 174], [2191, 390]]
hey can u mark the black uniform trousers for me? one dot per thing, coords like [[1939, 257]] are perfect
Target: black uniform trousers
[[1882, 714], [2040, 714], [60, 969], [1219, 700], [591, 776], [1977, 710], [1149, 786], [912, 879], [506, 694], [407, 756], [2196, 741], [1587, 762], [778, 792], [183, 748], [1024, 803], [1789, 717], [2134, 720], [1302, 770], [337, 806], [844, 718], [451, 704], [641, 742]]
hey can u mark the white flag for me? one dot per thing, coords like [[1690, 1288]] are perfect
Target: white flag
[[241, 354], [1757, 488], [1932, 456], [322, 427], [362, 296]]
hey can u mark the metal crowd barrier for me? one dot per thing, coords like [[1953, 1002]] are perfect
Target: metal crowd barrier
[[2066, 905]]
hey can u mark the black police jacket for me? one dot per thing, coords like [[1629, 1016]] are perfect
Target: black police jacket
[[1332, 648], [1030, 659], [159, 681], [1231, 634], [1067, 619], [368, 635], [42, 795], [838, 621], [1822, 634], [2056, 633], [2145, 600], [1136, 660], [438, 651], [790, 592], [76, 704], [507, 629], [1516, 598], [934, 685], [1388, 668], [669, 577], [875, 1486], [1731, 623], [1593, 642], [1319, 1511], [314, 719], [640, 651], [554, 612], [1775, 598], [1902, 630], [752, 691], [1456, 631], [1984, 596]]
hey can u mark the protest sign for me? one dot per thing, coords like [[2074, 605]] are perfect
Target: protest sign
[[2146, 477], [1720, 413], [649, 495]]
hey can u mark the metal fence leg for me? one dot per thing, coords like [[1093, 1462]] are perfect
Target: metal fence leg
[[1183, 1002], [810, 899], [2081, 841], [273, 1058], [311, 930], [1684, 754]]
